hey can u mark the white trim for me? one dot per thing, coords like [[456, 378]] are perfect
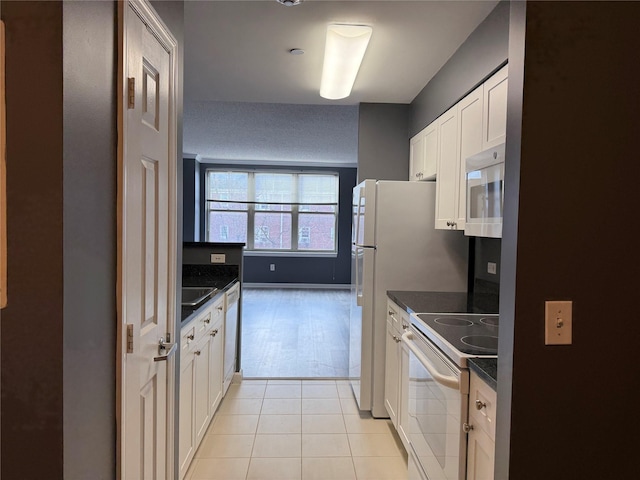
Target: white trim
[[310, 286], [289, 253], [158, 28], [267, 163]]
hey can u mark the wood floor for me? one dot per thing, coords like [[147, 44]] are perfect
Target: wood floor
[[295, 333]]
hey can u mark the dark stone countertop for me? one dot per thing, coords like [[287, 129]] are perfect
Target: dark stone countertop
[[487, 370], [454, 302], [222, 284], [444, 302]]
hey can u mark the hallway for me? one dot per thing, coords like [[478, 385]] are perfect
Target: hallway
[[296, 430]]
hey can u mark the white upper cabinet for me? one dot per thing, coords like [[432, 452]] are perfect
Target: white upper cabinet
[[475, 123], [495, 109], [470, 143], [448, 172], [423, 154]]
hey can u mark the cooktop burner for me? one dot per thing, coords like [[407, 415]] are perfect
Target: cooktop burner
[[481, 341], [453, 321], [492, 321], [460, 335]]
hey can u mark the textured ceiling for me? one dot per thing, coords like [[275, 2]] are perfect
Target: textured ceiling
[[238, 51]]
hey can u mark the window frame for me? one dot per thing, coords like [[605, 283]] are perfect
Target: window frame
[[253, 207]]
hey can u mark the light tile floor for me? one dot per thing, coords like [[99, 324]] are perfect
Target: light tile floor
[[297, 430]]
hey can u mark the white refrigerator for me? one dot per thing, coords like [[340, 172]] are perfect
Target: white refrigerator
[[395, 246]]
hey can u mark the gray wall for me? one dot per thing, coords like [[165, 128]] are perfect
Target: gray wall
[[89, 251], [190, 200], [484, 51], [571, 185], [58, 362], [265, 133], [383, 146]]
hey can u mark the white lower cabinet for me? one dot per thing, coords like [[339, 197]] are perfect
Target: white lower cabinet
[[201, 375], [481, 437], [480, 455], [187, 437], [394, 393]]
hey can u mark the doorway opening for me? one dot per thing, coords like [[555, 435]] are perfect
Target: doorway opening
[[295, 333]]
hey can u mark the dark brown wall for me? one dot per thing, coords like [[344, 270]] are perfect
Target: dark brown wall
[[31, 331], [572, 409]]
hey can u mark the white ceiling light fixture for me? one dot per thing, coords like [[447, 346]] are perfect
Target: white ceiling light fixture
[[343, 54], [289, 3]]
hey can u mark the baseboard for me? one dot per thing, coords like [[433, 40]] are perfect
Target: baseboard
[[319, 286]]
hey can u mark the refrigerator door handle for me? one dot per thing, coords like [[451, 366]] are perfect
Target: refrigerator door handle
[[359, 285]]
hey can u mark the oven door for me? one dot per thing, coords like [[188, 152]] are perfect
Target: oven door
[[438, 403]]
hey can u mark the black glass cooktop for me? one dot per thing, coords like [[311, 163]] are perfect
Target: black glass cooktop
[[468, 334]]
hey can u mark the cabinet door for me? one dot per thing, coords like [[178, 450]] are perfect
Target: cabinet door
[[430, 164], [416, 157], [495, 109], [392, 374], [186, 446], [403, 396], [447, 179], [480, 455], [470, 135], [202, 354], [216, 367]]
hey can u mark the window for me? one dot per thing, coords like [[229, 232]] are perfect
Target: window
[[273, 211]]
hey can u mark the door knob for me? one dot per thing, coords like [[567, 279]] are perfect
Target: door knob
[[165, 350]]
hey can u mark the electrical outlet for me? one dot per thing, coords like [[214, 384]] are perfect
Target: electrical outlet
[[272, 267], [491, 268], [558, 322], [218, 258]]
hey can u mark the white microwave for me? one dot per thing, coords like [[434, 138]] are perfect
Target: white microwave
[[485, 193]]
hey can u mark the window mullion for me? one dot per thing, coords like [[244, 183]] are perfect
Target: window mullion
[[294, 214], [251, 210]]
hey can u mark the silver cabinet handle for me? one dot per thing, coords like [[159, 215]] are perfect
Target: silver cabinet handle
[[190, 337], [466, 427], [480, 405], [197, 352], [405, 326], [214, 332], [163, 353], [220, 308], [207, 320], [397, 339]]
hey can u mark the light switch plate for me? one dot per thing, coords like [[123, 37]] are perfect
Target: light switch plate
[[491, 268], [558, 322], [218, 258]]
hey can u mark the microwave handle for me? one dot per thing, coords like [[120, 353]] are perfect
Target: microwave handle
[[447, 381]]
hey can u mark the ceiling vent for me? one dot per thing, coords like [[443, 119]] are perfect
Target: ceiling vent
[[289, 3]]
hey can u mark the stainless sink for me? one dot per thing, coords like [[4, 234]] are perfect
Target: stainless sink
[[192, 296]]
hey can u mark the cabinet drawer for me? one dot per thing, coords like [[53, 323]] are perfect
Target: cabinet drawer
[[397, 317], [482, 406], [187, 338], [217, 310]]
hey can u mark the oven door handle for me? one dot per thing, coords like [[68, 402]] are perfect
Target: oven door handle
[[447, 381]]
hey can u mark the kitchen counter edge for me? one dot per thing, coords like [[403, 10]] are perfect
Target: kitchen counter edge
[[189, 313]]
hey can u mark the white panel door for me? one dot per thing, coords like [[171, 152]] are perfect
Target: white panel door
[[147, 238]]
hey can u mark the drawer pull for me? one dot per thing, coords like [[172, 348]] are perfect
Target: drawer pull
[[214, 332], [190, 337], [466, 427], [207, 320], [197, 352], [480, 405]]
